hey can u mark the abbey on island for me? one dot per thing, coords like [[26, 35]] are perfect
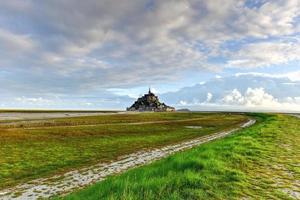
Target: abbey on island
[[150, 102]]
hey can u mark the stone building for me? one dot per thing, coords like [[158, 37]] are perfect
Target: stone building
[[150, 102]]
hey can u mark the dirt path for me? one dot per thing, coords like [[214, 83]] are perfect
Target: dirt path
[[296, 115], [59, 184]]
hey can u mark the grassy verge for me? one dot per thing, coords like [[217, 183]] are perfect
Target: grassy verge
[[260, 162], [27, 154]]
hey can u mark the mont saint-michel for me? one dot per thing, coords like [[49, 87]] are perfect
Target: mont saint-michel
[[77, 120], [150, 102]]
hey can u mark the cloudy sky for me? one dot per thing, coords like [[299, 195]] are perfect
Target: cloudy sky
[[101, 54]]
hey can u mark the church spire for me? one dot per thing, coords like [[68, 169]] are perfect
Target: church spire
[[149, 92]]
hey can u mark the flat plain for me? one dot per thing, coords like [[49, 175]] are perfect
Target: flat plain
[[259, 162], [31, 149]]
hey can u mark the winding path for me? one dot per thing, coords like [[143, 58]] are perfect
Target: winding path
[[60, 184]]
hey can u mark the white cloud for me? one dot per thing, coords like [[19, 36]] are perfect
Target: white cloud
[[135, 38], [293, 100], [183, 103], [86, 46], [272, 18], [209, 97], [12, 42], [252, 97], [293, 76], [242, 91], [265, 54], [258, 98], [33, 101], [235, 97]]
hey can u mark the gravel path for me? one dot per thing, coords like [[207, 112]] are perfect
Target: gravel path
[[297, 115], [59, 184]]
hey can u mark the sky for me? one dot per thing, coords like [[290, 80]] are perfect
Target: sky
[[103, 54]]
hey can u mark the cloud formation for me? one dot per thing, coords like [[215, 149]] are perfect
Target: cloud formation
[[252, 97], [75, 47], [239, 92], [259, 99], [266, 54]]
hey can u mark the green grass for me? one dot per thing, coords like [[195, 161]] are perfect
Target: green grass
[[110, 119], [53, 147], [260, 162]]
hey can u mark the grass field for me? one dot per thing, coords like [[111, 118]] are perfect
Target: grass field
[[260, 162], [37, 148]]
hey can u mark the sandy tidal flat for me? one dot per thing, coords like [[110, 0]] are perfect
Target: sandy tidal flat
[[45, 115]]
